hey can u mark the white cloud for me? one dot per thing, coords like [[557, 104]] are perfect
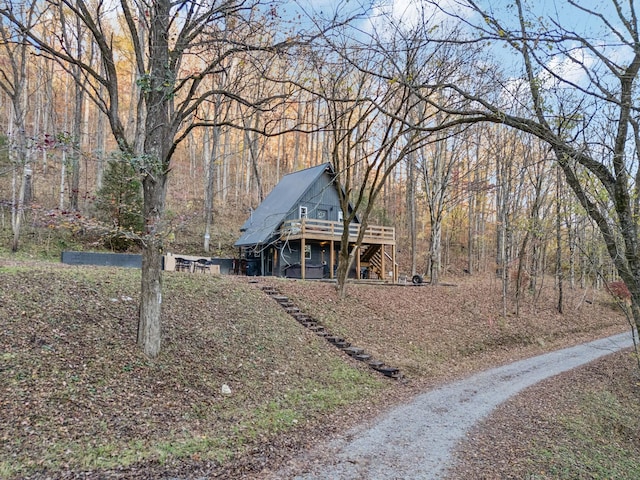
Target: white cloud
[[409, 13], [570, 70]]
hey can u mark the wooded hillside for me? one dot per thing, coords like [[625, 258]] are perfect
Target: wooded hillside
[[161, 125], [473, 199]]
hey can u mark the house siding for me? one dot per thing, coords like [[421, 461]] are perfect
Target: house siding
[[320, 197]]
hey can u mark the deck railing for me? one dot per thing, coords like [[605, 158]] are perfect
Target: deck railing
[[326, 230]]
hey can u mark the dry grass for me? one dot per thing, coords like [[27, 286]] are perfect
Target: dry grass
[[450, 330], [79, 400], [582, 424]]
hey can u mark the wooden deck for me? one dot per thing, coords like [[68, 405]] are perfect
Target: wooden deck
[[313, 229]]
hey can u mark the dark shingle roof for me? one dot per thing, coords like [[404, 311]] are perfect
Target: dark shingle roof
[[265, 219]]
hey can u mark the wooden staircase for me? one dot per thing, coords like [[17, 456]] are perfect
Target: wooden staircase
[[371, 257], [339, 342]]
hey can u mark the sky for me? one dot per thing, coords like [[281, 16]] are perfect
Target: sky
[[407, 13]]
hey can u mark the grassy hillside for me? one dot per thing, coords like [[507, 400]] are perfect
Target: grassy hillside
[[449, 330], [581, 424], [76, 395]]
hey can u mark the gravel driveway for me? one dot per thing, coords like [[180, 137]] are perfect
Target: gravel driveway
[[415, 441]]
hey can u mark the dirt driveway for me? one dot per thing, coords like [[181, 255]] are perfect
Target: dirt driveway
[[415, 441]]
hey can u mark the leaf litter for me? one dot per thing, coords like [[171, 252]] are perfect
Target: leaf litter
[[79, 400]]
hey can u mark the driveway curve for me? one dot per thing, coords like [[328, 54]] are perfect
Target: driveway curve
[[415, 441]]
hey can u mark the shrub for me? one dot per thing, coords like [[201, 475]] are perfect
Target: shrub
[[619, 291]]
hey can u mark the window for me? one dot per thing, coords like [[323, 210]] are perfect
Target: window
[[307, 252], [303, 212], [340, 216]]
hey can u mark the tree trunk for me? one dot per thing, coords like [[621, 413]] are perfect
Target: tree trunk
[[149, 323], [212, 151], [559, 275], [520, 272], [18, 210], [435, 251], [73, 40], [342, 272], [100, 147], [251, 139], [411, 214], [76, 142], [154, 167], [346, 255], [63, 173], [470, 232]]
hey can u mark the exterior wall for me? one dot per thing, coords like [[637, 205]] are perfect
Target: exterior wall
[[320, 200], [320, 255]]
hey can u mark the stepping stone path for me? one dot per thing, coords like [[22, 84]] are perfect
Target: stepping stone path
[[339, 342]]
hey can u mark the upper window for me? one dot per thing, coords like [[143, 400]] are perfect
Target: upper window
[[340, 216], [303, 212]]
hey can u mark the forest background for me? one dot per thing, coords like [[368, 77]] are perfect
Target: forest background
[[475, 168]]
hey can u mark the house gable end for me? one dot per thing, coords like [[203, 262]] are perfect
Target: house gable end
[[320, 201], [305, 187]]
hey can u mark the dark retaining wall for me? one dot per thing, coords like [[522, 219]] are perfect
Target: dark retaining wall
[[104, 259], [125, 260]]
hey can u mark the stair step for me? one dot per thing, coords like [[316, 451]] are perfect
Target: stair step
[[354, 351], [387, 371]]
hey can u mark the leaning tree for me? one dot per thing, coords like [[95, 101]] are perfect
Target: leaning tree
[[579, 66]]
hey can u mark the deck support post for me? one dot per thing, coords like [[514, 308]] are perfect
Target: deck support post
[[276, 263], [393, 263], [332, 259], [303, 245]]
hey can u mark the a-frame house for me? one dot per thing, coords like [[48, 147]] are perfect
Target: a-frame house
[[296, 232]]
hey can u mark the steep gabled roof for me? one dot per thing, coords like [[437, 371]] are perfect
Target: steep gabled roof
[[285, 196]]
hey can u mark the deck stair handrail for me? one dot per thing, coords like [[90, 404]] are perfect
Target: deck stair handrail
[[376, 262], [370, 252]]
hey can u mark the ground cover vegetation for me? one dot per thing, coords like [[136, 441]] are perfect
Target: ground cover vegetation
[[79, 399], [582, 424], [487, 204]]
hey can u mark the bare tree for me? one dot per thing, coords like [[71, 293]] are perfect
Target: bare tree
[[411, 191], [72, 37], [172, 57], [577, 87], [437, 169], [13, 81], [399, 51], [369, 135]]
